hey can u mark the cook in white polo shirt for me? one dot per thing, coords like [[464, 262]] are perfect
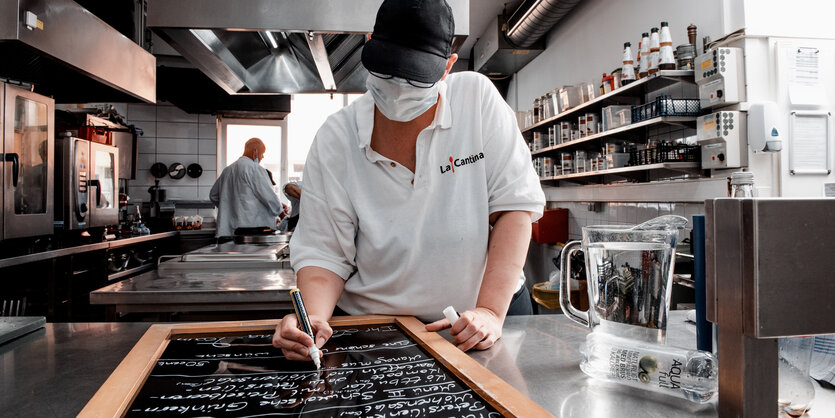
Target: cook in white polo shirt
[[401, 188]]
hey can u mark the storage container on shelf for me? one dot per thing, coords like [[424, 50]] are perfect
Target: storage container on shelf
[[587, 90], [567, 162], [570, 97], [580, 161], [617, 160], [537, 102], [611, 147], [552, 135], [555, 100], [565, 131], [548, 110], [643, 60], [528, 119], [537, 141], [581, 125], [592, 121], [616, 116], [664, 105], [547, 167]]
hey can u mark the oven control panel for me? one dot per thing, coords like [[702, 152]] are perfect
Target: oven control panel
[[82, 168]]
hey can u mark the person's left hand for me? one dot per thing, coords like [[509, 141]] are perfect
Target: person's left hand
[[475, 329]]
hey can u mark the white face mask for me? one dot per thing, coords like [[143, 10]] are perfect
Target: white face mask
[[400, 101]]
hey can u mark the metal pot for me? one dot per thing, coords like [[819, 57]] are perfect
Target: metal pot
[[157, 193]]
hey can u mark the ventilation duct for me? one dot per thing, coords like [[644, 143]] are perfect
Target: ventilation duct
[[510, 44], [527, 25]]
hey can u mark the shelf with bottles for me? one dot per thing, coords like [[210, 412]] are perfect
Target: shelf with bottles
[[639, 173], [634, 132], [630, 94]]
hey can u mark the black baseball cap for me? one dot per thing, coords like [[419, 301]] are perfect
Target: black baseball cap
[[412, 39]]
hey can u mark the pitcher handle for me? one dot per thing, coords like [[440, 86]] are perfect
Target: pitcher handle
[[576, 315]]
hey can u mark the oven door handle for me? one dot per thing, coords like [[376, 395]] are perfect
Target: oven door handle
[[97, 184], [11, 157]]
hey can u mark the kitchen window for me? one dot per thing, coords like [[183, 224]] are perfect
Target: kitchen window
[[288, 140], [308, 113]]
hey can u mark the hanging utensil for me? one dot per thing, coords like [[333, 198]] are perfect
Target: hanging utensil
[[177, 171]]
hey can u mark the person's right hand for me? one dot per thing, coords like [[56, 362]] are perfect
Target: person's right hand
[[294, 343]]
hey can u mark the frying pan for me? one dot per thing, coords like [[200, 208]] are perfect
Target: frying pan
[[194, 170], [159, 170]]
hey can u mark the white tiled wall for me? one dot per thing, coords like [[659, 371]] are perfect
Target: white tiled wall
[[172, 135]]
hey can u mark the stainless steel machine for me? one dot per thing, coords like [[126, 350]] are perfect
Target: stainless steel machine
[[768, 275], [27, 125], [88, 173]]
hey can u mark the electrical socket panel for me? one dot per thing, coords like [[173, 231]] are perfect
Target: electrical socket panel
[[724, 139], [720, 75]]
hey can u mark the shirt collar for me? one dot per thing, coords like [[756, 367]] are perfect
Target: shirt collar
[[365, 115]]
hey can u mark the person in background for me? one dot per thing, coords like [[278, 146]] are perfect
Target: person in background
[[243, 195], [293, 191], [284, 212], [418, 195]]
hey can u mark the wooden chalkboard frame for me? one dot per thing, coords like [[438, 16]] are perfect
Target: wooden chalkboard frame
[[117, 393]]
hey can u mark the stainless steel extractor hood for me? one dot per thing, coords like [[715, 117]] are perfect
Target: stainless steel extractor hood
[[65, 52], [277, 46]]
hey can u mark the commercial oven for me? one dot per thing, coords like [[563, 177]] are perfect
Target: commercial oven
[[87, 175], [27, 126]]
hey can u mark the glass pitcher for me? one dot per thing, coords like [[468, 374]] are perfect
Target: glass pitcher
[[629, 272]]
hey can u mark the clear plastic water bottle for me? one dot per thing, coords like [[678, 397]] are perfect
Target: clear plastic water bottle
[[796, 391], [742, 184], [687, 374]]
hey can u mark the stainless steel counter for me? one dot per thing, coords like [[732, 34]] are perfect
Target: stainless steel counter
[[46, 255], [54, 372]]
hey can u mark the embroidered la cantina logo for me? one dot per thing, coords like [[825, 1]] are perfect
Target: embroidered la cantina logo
[[460, 162]]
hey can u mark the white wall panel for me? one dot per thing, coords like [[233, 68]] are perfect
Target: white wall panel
[[590, 40]]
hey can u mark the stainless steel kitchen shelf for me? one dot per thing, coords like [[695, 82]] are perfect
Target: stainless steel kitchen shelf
[[592, 176], [634, 90], [688, 121], [47, 255]]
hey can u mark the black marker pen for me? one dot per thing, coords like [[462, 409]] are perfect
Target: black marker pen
[[304, 324]]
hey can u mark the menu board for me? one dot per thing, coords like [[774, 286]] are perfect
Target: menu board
[[367, 370], [373, 366]]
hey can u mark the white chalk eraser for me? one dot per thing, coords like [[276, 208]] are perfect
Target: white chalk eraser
[[451, 315]]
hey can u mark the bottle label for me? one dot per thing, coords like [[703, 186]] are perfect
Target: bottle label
[[630, 365]]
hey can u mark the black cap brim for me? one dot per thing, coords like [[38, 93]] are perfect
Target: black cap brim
[[388, 58]]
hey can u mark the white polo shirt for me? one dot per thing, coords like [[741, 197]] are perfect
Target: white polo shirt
[[414, 243]]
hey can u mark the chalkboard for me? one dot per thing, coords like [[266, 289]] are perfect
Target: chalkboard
[[372, 366]]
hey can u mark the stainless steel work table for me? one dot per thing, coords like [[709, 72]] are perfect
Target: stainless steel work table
[[56, 370], [215, 278], [202, 290]]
